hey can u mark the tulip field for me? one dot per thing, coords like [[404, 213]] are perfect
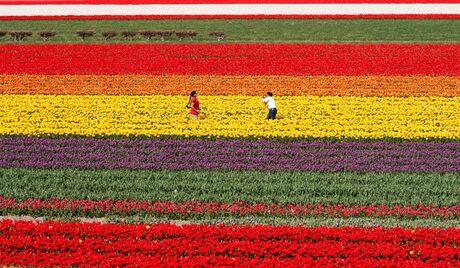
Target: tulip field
[[195, 245], [101, 164]]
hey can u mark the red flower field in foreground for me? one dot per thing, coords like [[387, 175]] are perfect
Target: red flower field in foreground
[[92, 244]]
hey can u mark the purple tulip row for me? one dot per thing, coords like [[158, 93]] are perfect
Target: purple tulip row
[[262, 155]]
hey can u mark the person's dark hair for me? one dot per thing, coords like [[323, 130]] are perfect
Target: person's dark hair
[[191, 95], [270, 94]]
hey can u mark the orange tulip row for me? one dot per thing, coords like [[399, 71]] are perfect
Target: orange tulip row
[[368, 86]]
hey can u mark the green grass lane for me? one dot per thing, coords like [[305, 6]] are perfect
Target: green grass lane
[[254, 220], [254, 31], [216, 186], [318, 222]]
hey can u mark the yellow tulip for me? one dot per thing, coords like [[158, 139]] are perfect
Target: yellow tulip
[[231, 116]]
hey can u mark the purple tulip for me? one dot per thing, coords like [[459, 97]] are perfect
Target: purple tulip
[[266, 155]]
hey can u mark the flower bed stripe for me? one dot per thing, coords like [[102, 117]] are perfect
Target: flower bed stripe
[[229, 9], [194, 209], [230, 155], [138, 2], [231, 117], [246, 17], [367, 86], [93, 244], [332, 188], [242, 59]]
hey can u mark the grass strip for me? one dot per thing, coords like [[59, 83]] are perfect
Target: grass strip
[[252, 220], [308, 222], [253, 31], [348, 188]]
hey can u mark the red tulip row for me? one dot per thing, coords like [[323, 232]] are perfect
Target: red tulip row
[[222, 17], [237, 59], [93, 244], [191, 208]]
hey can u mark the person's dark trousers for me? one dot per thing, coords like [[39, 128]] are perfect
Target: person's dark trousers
[[271, 113]]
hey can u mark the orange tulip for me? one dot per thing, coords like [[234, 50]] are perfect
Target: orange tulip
[[366, 86]]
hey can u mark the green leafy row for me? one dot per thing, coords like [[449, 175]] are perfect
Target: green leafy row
[[233, 186], [252, 31], [262, 220]]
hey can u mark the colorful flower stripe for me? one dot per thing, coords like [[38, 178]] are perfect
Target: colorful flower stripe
[[128, 207], [230, 9], [260, 155], [132, 2], [231, 116], [246, 17], [93, 244], [368, 86], [242, 59]]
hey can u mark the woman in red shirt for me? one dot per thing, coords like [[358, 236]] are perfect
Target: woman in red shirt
[[194, 105]]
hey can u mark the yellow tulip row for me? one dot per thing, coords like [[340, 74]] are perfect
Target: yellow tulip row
[[231, 116]]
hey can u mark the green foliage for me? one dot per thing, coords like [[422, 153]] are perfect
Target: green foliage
[[259, 220], [232, 186], [254, 31]]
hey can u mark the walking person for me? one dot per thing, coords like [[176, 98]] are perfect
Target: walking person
[[194, 105], [271, 105]]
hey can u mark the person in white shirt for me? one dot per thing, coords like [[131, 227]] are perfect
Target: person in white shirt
[[271, 105]]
